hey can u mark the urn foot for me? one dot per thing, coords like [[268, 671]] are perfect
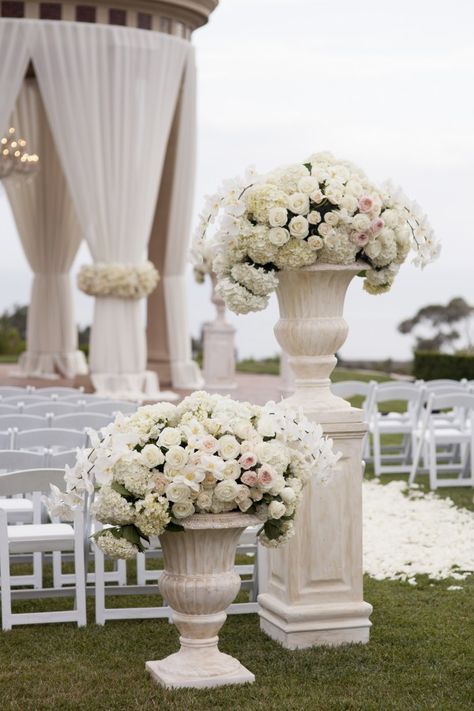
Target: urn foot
[[199, 664]]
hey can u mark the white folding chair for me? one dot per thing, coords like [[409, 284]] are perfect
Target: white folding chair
[[353, 388], [11, 390], [394, 458], [60, 392], [81, 420], [53, 407], [8, 409], [61, 459], [7, 440], [21, 422], [84, 397], [454, 384], [55, 439], [431, 436], [22, 401], [39, 538], [11, 459], [111, 407]]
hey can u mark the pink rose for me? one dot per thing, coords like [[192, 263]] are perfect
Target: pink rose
[[249, 478], [377, 225], [265, 475], [209, 444], [366, 203], [160, 482], [247, 460], [359, 238]]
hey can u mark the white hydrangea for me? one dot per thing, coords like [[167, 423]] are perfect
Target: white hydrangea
[[110, 507], [115, 547], [152, 515]]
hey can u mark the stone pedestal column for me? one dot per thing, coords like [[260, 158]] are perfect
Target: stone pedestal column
[[313, 591], [219, 349], [287, 377]]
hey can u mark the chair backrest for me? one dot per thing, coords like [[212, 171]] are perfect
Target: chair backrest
[[22, 422], [6, 440], [400, 391], [351, 388], [54, 407], [445, 381], [110, 407], [12, 390], [26, 481], [50, 437], [5, 409], [446, 387], [80, 420], [60, 391], [84, 397], [60, 459], [26, 399], [451, 400], [12, 459]]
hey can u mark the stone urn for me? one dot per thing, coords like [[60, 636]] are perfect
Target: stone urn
[[199, 582], [219, 348]]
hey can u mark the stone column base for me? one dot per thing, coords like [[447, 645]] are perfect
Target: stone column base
[[303, 626]]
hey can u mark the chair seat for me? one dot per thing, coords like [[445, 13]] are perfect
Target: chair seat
[[393, 426], [447, 434], [16, 505], [41, 537]]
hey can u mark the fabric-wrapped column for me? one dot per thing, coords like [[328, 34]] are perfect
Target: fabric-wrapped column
[[171, 228], [110, 94], [15, 41], [50, 235]]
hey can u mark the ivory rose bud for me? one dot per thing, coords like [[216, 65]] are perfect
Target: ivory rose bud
[[176, 457], [177, 491], [331, 218], [278, 236], [247, 460], [298, 203], [209, 444], [226, 490], [308, 184], [315, 242], [317, 196], [276, 509], [231, 470], [169, 436], [182, 509], [277, 216], [314, 217], [299, 227], [366, 203], [151, 456], [204, 501]]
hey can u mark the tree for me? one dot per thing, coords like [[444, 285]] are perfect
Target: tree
[[439, 327]]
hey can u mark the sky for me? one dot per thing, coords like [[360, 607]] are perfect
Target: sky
[[388, 85]]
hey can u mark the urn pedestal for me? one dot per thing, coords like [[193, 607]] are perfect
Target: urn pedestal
[[199, 583], [219, 349], [312, 588]]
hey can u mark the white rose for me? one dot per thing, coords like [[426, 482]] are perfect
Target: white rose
[[315, 242], [151, 456], [361, 223], [169, 436], [299, 227], [266, 426], [231, 470], [314, 218], [177, 491], [317, 196], [182, 509], [298, 203], [308, 184], [349, 203], [204, 501], [277, 216], [229, 448], [278, 236], [243, 429], [276, 509], [226, 490], [331, 218], [176, 457], [353, 187], [324, 229], [288, 495]]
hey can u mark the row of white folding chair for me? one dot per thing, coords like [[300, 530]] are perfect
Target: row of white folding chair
[[6, 390], [37, 538], [77, 421], [435, 433], [63, 407], [12, 459]]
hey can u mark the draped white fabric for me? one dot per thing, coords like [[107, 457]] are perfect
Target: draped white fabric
[[110, 95], [15, 41], [50, 235], [184, 372]]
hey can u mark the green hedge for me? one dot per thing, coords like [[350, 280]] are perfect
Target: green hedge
[[430, 366]]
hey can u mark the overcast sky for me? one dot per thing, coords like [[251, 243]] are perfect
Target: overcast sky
[[388, 85]]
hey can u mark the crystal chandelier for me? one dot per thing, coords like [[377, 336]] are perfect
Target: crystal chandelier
[[13, 156]]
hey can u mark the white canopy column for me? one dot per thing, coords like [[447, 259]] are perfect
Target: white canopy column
[[110, 95], [50, 235], [172, 228], [15, 40]]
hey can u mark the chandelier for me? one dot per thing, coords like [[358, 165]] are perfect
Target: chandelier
[[13, 156]]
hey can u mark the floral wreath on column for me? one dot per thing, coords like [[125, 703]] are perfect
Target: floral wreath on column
[[124, 281]]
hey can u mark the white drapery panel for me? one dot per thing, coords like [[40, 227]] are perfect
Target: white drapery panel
[[182, 168], [110, 95], [50, 235], [15, 47]]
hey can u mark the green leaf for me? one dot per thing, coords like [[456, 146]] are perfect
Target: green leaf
[[174, 527], [308, 166], [272, 529], [120, 489]]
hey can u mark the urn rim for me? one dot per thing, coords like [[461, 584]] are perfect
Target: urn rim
[[233, 519]]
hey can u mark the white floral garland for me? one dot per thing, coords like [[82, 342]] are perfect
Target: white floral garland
[[125, 281]]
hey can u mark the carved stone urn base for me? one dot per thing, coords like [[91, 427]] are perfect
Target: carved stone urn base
[[199, 583]]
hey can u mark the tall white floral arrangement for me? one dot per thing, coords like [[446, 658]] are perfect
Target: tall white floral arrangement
[[209, 454], [323, 210]]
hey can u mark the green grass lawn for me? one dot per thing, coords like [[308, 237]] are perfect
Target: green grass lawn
[[420, 657]]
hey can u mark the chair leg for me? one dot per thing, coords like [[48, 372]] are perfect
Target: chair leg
[[432, 464], [377, 454], [6, 589], [99, 586], [57, 570], [38, 570]]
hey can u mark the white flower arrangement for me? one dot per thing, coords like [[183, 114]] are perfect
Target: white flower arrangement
[[209, 454], [125, 281], [201, 256], [324, 210]]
